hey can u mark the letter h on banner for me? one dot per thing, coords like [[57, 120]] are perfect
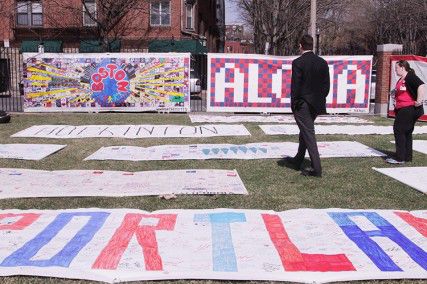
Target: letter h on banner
[[363, 239]]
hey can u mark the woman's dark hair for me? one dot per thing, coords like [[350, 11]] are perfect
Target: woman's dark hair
[[306, 42], [405, 64]]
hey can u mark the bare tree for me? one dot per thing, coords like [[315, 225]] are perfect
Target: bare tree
[[280, 23], [346, 26], [403, 22]]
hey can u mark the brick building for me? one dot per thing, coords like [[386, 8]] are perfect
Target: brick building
[[155, 25], [236, 41]]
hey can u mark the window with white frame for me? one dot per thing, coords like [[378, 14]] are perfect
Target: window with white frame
[[160, 13], [29, 13], [89, 9], [189, 23]]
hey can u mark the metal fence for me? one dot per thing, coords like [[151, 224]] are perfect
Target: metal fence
[[11, 88], [11, 84]]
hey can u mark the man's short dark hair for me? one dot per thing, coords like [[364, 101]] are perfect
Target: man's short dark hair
[[306, 42]]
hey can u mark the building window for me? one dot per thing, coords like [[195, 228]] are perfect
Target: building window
[[189, 18], [29, 13], [160, 13], [89, 8]]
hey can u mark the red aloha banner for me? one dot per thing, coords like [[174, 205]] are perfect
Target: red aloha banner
[[259, 83]]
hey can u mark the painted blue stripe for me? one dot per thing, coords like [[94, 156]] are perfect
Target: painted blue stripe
[[22, 256], [363, 239], [223, 254]]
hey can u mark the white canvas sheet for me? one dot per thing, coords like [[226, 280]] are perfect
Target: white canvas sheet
[[302, 245], [132, 131], [336, 129], [20, 183], [28, 151], [206, 118], [420, 146], [230, 151], [415, 177]]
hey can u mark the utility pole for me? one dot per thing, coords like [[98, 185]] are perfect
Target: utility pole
[[313, 18]]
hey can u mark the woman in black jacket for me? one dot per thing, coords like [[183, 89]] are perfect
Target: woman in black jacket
[[409, 95]]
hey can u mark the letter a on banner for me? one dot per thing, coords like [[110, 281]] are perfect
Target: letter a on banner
[[110, 256], [224, 257], [22, 257], [234, 81], [291, 257], [363, 239]]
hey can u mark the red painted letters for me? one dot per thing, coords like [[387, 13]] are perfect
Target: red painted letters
[[110, 256], [293, 260], [25, 220]]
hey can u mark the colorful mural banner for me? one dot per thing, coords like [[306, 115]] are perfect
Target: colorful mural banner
[[261, 83], [24, 183], [414, 177], [28, 151], [266, 150], [60, 82], [132, 131], [419, 64], [207, 118], [301, 245], [274, 129]]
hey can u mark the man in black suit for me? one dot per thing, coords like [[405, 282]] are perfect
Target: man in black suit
[[309, 88]]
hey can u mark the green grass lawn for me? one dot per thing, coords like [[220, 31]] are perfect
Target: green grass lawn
[[346, 183]]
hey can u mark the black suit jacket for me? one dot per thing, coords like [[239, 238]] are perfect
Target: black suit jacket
[[310, 81]]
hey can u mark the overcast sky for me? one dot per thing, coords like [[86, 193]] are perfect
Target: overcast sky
[[231, 15]]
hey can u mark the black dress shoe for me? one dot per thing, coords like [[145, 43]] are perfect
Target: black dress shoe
[[310, 173]]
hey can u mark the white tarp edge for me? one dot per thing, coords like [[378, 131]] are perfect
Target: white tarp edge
[[418, 145], [415, 177], [132, 131], [206, 118], [28, 151], [22, 183], [266, 150], [336, 129]]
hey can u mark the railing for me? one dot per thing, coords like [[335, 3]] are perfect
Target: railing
[[11, 91]]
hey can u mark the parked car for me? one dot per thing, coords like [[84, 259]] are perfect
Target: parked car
[[195, 83]]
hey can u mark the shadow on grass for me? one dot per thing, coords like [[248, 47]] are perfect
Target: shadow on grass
[[289, 163]]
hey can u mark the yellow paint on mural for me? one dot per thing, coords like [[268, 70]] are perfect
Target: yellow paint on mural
[[179, 78], [39, 84], [40, 94], [152, 68], [175, 94], [32, 69], [162, 73], [165, 85], [39, 78]]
